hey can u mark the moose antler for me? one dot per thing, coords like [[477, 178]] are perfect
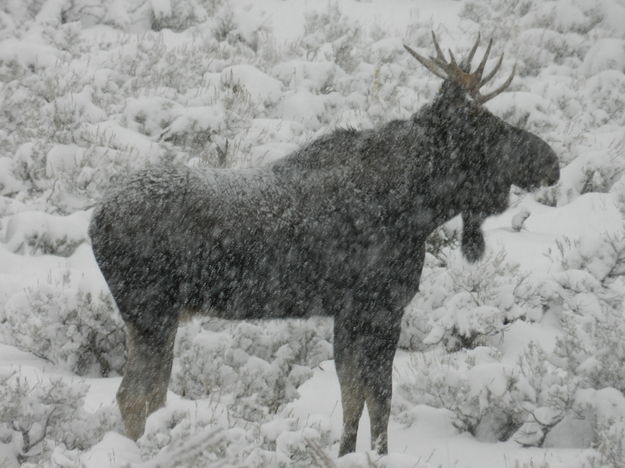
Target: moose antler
[[461, 73]]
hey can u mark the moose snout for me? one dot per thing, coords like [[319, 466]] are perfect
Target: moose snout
[[535, 163], [546, 164], [551, 174]]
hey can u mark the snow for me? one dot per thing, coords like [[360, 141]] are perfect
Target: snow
[[200, 118], [520, 334], [605, 54], [89, 92], [514, 106], [63, 159], [9, 184], [568, 17], [110, 452], [308, 75], [302, 107], [287, 21], [161, 8], [263, 89], [545, 225], [148, 115], [29, 54], [123, 138], [27, 230]]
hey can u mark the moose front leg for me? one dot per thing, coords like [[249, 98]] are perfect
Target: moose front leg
[[377, 374], [364, 352], [146, 376], [350, 380]]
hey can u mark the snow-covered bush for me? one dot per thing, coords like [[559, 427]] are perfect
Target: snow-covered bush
[[591, 263], [610, 445], [195, 438], [463, 304], [554, 396], [441, 242], [560, 19], [596, 172], [330, 35], [540, 402], [606, 89], [208, 434], [177, 15], [257, 367], [173, 14], [589, 352], [9, 184], [592, 347], [487, 398], [37, 233], [62, 152], [35, 416], [68, 325], [547, 393]]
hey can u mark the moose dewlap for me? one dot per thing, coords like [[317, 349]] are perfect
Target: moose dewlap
[[335, 228]]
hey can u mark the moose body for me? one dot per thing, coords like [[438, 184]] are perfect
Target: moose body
[[336, 228]]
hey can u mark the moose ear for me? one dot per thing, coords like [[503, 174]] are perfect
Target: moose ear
[[473, 244]]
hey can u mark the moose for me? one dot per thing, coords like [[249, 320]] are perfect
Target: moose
[[336, 228]]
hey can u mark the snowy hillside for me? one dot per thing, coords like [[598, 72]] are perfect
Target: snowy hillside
[[516, 361]]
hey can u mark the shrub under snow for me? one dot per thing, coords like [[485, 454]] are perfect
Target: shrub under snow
[[38, 415], [257, 369], [464, 304], [68, 325], [552, 397]]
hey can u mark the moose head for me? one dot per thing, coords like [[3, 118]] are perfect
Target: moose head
[[487, 154]]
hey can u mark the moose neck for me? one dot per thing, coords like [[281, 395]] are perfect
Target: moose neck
[[433, 167], [399, 168]]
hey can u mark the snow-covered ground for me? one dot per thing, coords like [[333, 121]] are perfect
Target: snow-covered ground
[[516, 361]]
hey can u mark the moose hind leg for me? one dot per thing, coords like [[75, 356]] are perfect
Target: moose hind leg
[[143, 389]]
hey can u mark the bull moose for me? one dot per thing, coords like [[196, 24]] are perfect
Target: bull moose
[[336, 228]]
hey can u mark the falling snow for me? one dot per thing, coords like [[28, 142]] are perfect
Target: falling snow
[[514, 360]]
